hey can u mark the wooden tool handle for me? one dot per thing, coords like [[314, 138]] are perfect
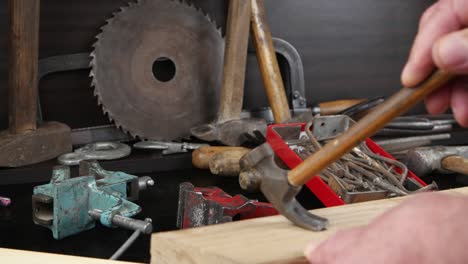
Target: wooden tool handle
[[366, 127], [334, 107], [268, 63], [456, 164], [235, 60], [227, 163], [201, 157], [23, 64]]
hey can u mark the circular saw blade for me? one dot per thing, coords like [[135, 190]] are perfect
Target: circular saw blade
[[157, 68]]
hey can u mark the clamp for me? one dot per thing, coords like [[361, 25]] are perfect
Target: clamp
[[68, 206], [210, 206]]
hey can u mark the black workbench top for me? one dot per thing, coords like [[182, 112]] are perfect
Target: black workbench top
[[18, 231]]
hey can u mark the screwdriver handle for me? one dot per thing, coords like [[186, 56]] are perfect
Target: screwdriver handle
[[394, 106], [334, 107], [456, 164]]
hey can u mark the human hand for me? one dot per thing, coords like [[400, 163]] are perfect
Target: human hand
[[442, 41], [427, 228]]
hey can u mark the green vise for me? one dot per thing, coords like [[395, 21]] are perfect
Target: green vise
[[68, 206]]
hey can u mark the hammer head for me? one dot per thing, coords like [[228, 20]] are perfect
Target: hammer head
[[425, 160], [48, 141], [230, 133], [259, 167]]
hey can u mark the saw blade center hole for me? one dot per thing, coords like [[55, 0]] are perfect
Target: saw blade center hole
[[164, 69]]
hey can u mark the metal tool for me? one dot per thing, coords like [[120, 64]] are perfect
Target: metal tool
[[69, 206], [166, 76], [168, 148], [229, 129], [26, 142], [394, 145], [61, 63], [210, 206], [96, 151], [361, 107], [418, 125], [129, 242], [86, 135], [5, 201], [296, 92], [440, 159], [281, 186], [106, 133]]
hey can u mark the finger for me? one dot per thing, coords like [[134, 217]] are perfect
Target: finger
[[459, 101], [450, 53], [442, 21], [439, 101], [334, 247]]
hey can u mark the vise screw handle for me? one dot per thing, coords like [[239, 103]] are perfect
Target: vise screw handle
[[396, 105], [145, 227]]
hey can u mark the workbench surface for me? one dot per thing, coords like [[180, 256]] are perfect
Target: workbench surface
[[263, 240], [18, 231]]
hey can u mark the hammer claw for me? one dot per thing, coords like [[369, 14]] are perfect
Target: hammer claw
[[259, 167], [303, 218]]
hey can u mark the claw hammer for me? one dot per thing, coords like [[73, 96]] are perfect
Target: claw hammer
[[280, 186]]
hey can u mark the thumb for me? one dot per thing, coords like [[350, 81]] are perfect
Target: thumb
[[450, 53]]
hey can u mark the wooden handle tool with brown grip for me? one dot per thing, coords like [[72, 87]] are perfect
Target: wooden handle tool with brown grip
[[23, 65], [235, 60], [456, 164], [334, 107], [268, 63], [394, 106], [201, 157], [227, 163]]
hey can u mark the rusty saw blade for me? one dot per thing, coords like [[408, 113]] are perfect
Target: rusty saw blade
[[157, 68]]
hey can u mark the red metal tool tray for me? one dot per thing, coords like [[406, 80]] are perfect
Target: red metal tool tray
[[316, 185]]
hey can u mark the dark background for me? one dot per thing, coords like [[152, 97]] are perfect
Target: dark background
[[350, 49]]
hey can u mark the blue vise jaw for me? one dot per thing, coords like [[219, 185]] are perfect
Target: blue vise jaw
[[64, 204]]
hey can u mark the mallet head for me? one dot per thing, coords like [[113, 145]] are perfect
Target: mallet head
[[259, 168]]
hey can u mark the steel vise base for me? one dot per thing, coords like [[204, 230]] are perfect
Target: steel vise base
[[64, 204]]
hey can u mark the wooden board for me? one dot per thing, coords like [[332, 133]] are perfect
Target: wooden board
[[263, 240], [12, 256]]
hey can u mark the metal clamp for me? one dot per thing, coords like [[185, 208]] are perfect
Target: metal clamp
[[168, 147], [96, 151]]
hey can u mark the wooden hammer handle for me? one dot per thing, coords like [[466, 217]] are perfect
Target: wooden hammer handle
[[268, 63], [456, 164], [235, 60], [399, 103], [202, 157], [23, 65]]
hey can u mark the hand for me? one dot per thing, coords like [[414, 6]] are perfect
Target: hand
[[442, 42], [427, 228]]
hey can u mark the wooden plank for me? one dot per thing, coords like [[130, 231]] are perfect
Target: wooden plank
[[13, 256], [263, 240]]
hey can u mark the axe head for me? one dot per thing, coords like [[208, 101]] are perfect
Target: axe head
[[261, 166]]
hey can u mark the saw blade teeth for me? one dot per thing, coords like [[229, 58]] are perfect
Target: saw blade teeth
[[133, 132]]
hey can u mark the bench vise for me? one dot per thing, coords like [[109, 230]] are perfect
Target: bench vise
[[209, 206], [68, 206]]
